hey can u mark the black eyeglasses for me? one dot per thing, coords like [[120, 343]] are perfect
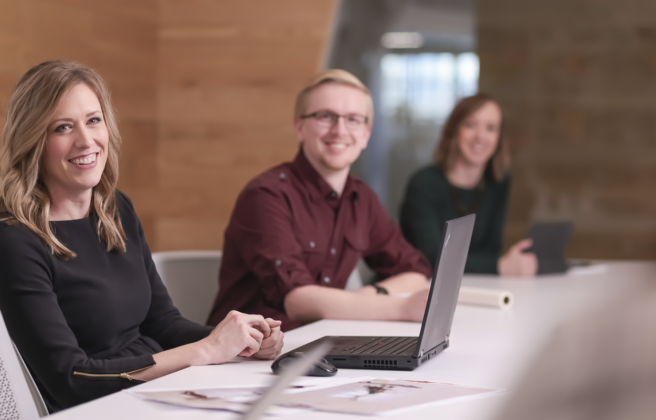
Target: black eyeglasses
[[326, 118]]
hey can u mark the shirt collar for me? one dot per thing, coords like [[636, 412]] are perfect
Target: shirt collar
[[318, 187]]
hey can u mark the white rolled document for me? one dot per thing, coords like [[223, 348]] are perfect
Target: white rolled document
[[501, 299]]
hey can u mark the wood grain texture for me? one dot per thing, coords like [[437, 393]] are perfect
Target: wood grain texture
[[204, 91], [576, 79], [229, 75], [119, 40]]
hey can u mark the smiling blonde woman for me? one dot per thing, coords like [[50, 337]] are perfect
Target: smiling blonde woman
[[79, 292]]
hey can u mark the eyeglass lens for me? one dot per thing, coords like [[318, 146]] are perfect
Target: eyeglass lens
[[352, 121]]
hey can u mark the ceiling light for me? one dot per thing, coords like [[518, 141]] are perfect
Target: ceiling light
[[402, 40]]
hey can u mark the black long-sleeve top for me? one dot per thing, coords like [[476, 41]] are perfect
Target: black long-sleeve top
[[429, 202], [101, 312]]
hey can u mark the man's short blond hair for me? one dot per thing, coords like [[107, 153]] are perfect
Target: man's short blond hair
[[336, 76]]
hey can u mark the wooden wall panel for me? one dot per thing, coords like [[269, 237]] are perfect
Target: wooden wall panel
[[119, 40], [204, 91], [228, 76], [577, 80]]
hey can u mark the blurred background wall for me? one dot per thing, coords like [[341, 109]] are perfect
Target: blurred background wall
[[119, 39], [204, 91], [577, 79], [418, 58]]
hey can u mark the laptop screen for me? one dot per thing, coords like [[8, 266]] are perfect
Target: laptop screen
[[445, 286]]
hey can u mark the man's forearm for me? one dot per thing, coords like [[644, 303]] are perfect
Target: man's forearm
[[408, 282], [310, 303]]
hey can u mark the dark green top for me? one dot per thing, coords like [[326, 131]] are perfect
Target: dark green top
[[428, 203]]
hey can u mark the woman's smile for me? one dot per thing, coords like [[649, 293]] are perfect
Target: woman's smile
[[85, 162]]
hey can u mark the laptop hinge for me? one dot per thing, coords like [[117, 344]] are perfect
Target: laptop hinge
[[444, 344]]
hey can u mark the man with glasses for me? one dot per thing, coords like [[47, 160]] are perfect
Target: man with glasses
[[299, 229]]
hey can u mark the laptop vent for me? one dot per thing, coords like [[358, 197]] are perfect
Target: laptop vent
[[380, 364]]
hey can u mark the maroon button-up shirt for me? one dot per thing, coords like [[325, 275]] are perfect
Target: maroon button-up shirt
[[290, 229]]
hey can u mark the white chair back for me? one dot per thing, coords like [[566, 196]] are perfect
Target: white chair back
[[361, 276], [34, 390], [192, 280], [16, 401]]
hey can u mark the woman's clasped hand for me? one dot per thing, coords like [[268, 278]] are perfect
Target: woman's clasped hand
[[242, 335]]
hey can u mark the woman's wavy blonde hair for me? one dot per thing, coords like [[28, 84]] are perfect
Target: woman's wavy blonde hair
[[23, 195]]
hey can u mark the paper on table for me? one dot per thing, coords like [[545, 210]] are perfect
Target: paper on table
[[228, 399], [501, 299], [235, 399], [587, 269], [379, 396]]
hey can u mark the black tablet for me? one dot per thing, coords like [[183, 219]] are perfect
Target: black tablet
[[549, 243]]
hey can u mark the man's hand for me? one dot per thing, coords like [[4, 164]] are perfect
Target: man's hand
[[271, 345], [515, 262]]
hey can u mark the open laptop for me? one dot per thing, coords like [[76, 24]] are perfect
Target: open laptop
[[408, 353]]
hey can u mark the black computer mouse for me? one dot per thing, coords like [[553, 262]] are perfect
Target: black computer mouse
[[320, 368]]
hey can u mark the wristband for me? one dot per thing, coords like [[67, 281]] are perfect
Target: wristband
[[380, 290]]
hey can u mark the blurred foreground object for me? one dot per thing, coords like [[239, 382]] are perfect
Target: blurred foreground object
[[601, 365]]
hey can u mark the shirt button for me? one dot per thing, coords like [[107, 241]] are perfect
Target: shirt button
[[282, 175], [278, 262], [333, 251], [333, 194], [326, 279], [312, 244]]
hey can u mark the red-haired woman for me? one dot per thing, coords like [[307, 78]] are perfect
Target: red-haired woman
[[470, 174]]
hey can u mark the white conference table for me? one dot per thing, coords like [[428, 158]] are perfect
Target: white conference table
[[489, 348]]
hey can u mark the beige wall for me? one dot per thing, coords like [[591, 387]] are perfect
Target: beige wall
[[204, 92], [577, 79]]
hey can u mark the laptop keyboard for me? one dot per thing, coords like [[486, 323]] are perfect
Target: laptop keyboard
[[388, 346]]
